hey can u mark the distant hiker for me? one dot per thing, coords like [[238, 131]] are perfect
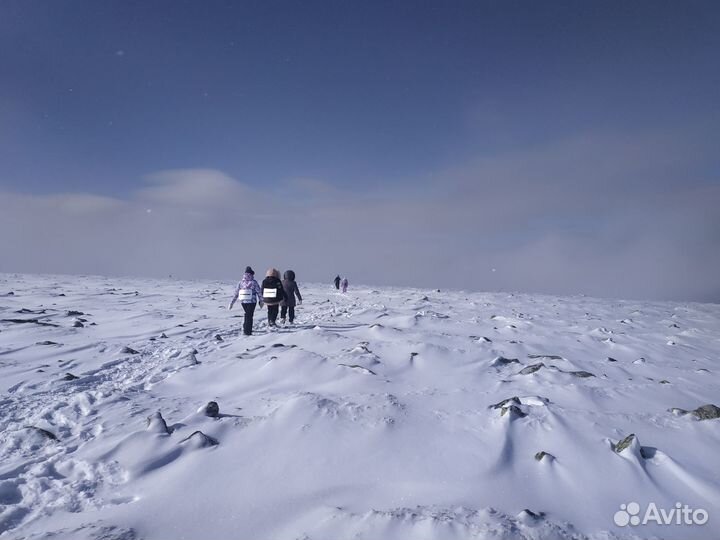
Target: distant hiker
[[272, 294], [344, 285], [337, 282], [248, 292], [291, 290]]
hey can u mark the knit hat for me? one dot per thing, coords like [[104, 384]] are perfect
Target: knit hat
[[249, 270]]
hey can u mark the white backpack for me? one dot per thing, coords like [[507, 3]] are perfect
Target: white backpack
[[245, 295], [269, 293]]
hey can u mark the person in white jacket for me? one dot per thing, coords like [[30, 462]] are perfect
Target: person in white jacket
[[249, 293]]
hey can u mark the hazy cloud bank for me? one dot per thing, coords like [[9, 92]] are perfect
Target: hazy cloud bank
[[600, 215]]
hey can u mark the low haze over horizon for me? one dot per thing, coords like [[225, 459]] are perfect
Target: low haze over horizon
[[556, 147]]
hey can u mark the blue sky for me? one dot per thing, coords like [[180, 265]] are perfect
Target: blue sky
[[374, 110]]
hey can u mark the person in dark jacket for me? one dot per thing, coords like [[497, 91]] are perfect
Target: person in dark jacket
[[273, 293], [291, 291], [337, 282], [248, 292]]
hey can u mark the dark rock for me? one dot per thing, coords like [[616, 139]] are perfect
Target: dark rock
[[611, 359], [44, 432], [78, 324], [218, 337], [625, 443], [73, 313], [664, 381], [513, 411], [532, 515], [544, 455], [531, 369], [581, 374], [156, 423], [163, 336], [70, 377], [278, 345], [707, 412], [548, 356], [502, 361], [357, 366], [506, 403], [199, 440], [28, 321], [25, 311], [46, 343], [212, 409], [128, 350]]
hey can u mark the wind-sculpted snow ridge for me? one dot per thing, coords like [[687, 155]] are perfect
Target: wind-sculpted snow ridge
[[135, 409]]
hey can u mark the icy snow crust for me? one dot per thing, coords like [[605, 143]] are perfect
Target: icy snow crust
[[382, 414]]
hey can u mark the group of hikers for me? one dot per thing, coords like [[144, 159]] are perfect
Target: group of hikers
[[273, 293], [339, 283], [276, 294]]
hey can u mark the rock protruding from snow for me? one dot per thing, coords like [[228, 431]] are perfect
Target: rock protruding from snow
[[506, 403], [630, 446], [501, 361], [49, 435], [544, 456], [704, 412], [625, 443], [199, 440], [581, 374], [212, 409], [510, 406], [359, 368], [128, 350], [528, 516], [707, 412], [545, 356], [156, 424], [531, 368]]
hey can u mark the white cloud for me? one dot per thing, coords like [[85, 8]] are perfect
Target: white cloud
[[196, 188]]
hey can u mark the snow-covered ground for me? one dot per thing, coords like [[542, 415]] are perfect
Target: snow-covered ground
[[372, 418]]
